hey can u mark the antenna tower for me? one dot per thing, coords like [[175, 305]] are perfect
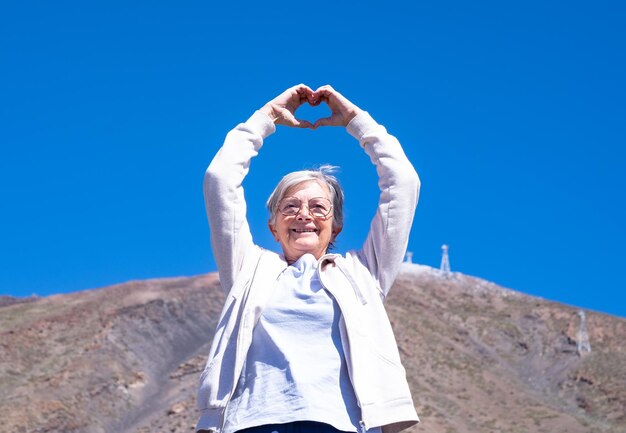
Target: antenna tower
[[583, 345], [445, 261], [409, 257]]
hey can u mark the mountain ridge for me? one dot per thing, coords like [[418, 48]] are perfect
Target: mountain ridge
[[479, 357]]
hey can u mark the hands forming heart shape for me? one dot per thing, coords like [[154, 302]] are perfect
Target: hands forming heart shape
[[282, 109]]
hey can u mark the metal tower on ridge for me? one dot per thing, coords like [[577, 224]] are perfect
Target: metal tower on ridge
[[409, 257], [583, 345], [445, 261]]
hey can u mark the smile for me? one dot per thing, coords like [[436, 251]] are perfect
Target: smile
[[304, 230]]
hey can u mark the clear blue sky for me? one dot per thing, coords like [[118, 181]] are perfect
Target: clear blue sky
[[514, 114]]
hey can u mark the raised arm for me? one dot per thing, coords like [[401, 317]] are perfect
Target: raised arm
[[224, 198], [385, 246]]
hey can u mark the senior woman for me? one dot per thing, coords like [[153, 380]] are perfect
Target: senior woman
[[303, 343]]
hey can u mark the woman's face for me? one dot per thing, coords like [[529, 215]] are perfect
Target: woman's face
[[304, 233]]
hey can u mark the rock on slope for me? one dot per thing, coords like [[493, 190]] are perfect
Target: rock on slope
[[480, 358]]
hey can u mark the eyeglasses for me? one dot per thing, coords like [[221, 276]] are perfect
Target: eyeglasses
[[319, 207]]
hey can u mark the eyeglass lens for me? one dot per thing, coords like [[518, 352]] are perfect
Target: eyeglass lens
[[319, 206]]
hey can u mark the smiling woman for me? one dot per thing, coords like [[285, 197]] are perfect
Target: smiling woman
[[304, 343]]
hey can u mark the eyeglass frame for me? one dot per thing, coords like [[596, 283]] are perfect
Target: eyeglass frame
[[330, 210]]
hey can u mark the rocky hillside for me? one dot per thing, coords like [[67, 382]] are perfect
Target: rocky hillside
[[480, 358]]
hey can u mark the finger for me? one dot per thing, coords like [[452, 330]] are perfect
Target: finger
[[328, 98], [317, 100], [301, 86], [323, 94], [286, 118], [325, 88], [325, 91], [295, 103], [295, 95], [324, 121], [303, 90], [301, 93], [301, 123], [313, 99]]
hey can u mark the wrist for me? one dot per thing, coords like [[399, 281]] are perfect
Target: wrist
[[351, 114], [269, 111]]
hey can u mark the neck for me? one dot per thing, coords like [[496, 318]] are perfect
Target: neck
[[292, 259]]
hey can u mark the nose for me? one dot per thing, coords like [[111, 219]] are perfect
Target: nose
[[304, 214]]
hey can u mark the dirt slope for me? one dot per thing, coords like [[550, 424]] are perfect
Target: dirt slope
[[480, 358]]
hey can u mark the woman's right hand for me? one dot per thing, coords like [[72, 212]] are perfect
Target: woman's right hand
[[282, 109]]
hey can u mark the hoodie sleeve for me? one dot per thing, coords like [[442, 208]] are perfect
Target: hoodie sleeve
[[224, 195], [387, 240]]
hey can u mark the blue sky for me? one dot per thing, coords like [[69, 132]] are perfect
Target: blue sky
[[512, 113]]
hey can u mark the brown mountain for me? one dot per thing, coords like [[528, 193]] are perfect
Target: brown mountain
[[480, 358]]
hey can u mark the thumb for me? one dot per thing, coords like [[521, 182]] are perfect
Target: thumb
[[301, 123], [324, 121]]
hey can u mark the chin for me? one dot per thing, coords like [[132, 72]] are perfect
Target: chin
[[301, 250]]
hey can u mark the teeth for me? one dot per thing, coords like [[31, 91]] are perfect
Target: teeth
[[303, 230]]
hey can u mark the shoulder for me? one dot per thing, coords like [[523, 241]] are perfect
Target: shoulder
[[354, 266], [256, 263]]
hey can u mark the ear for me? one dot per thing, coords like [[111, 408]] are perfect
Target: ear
[[272, 229], [336, 231]]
